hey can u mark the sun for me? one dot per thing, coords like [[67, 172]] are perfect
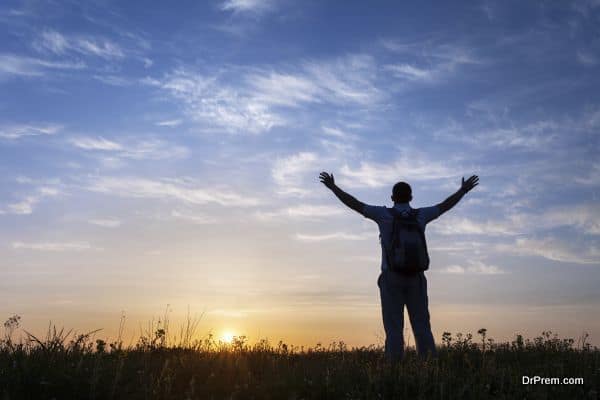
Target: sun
[[227, 336]]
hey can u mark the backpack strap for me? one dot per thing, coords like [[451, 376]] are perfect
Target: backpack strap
[[386, 251]]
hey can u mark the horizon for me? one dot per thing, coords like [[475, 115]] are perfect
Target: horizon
[[170, 155]]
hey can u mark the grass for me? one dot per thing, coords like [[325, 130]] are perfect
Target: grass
[[65, 365]]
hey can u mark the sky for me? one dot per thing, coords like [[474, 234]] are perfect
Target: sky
[[166, 157]]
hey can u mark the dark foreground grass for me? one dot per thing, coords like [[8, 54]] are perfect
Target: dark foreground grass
[[66, 366]]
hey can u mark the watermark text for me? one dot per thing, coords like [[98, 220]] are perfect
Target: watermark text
[[540, 380]]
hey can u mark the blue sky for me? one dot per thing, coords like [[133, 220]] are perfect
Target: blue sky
[[170, 154]]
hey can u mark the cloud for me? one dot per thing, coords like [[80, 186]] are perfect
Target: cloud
[[248, 6], [351, 79], [53, 41], [57, 43], [337, 133], [474, 267], [592, 178], [198, 219], [27, 204], [169, 122], [458, 246], [11, 64], [585, 7], [152, 149], [256, 100], [279, 89], [534, 136], [553, 249], [429, 61], [169, 189], [53, 246], [410, 166], [290, 172], [464, 226], [208, 101], [306, 237], [586, 58], [410, 72], [14, 132], [99, 143], [114, 80], [301, 211], [585, 217], [591, 118], [106, 223]]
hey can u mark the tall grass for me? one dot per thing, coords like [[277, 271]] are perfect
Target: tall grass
[[66, 365]]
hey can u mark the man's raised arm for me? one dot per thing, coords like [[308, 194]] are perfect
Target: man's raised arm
[[350, 201], [465, 187]]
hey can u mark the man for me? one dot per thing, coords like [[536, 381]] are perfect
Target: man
[[396, 289]]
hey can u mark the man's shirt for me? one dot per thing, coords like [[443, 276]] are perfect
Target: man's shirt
[[384, 219]]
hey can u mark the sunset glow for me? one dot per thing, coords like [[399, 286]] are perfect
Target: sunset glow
[[227, 337]]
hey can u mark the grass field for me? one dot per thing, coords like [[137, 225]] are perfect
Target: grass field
[[64, 365]]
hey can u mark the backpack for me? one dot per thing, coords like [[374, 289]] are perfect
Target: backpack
[[407, 252]]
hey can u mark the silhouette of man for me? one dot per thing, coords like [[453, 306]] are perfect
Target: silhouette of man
[[398, 290]]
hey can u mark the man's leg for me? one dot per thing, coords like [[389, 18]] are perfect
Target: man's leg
[[392, 307], [418, 312]]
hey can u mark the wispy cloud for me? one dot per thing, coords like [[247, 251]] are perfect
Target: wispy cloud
[[58, 43], [351, 79], [11, 64], [27, 204], [106, 222], [428, 61], [410, 166], [248, 6], [464, 226], [115, 80], [53, 246], [207, 100], [536, 136], [169, 189], [18, 131], [584, 217], [153, 149], [255, 100], [169, 122], [26, 180], [300, 211], [585, 7], [281, 89], [411, 72], [592, 178], [308, 237], [554, 249], [194, 218], [97, 143], [587, 58], [337, 133], [290, 172], [474, 267]]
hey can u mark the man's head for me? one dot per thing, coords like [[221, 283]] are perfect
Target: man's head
[[401, 193]]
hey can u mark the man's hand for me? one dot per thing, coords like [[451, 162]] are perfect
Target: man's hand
[[470, 183], [348, 200], [327, 180]]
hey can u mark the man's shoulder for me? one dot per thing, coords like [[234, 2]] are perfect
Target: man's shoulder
[[428, 213], [375, 212]]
